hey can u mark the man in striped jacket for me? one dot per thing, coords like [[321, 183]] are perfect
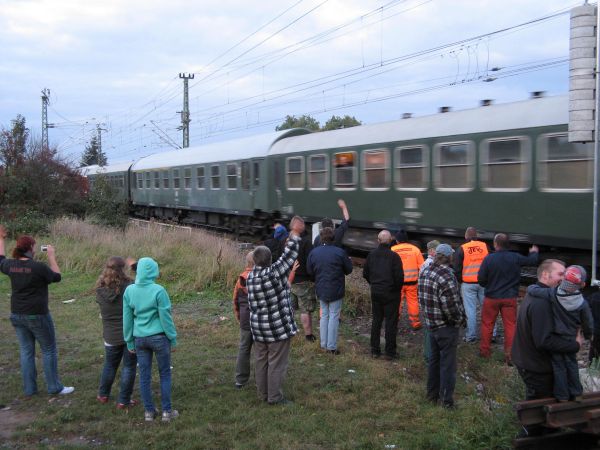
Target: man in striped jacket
[[271, 314]]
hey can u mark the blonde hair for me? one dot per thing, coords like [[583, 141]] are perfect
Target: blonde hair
[[113, 276]]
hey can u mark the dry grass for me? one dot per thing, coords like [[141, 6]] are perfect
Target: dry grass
[[190, 260]]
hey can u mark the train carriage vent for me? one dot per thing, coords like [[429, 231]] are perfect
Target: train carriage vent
[[486, 102], [537, 94], [445, 109], [406, 115]]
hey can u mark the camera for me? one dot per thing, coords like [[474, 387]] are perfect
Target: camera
[[44, 248]]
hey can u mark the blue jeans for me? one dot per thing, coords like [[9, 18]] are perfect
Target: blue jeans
[[472, 294], [31, 328], [160, 346], [112, 358], [330, 323]]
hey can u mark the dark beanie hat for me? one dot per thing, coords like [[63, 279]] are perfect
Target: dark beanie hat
[[401, 236]]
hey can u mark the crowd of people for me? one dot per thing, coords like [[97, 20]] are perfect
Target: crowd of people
[[442, 293]]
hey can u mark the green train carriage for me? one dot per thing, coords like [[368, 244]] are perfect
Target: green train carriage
[[506, 167]]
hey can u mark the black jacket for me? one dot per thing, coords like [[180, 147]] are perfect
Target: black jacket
[[535, 339], [305, 248], [329, 266], [384, 272], [111, 310]]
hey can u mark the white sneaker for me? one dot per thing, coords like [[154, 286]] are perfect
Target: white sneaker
[[168, 415], [66, 390]]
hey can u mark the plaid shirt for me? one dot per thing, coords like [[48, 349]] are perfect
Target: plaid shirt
[[439, 298], [271, 313]]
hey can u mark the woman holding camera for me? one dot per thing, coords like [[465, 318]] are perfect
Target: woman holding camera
[[29, 311]]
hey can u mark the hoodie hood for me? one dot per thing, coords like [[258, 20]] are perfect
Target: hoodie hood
[[147, 271], [569, 301]]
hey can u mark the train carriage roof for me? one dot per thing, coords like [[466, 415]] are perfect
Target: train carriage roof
[[508, 116], [111, 168], [233, 150]]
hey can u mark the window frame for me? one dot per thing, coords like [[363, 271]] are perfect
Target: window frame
[[187, 180], [424, 168], [176, 178], [234, 176], [309, 171], [386, 169], [213, 177], [139, 180], [166, 176], [156, 179], [302, 173], [203, 178], [470, 166], [484, 153], [334, 176], [543, 150]]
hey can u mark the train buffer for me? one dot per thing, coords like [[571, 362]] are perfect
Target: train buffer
[[566, 423]]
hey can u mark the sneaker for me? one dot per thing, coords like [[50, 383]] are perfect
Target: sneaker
[[239, 385], [66, 390], [102, 399], [391, 357], [149, 416], [375, 355], [467, 340], [168, 415], [310, 338], [334, 352], [131, 404]]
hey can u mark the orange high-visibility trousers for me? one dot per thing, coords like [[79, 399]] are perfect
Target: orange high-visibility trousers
[[409, 292]]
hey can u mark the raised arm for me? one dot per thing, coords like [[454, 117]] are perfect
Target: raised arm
[[3, 235], [52, 259]]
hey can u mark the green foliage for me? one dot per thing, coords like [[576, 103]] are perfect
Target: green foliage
[[337, 122], [304, 121], [13, 144], [104, 206], [36, 185], [93, 154]]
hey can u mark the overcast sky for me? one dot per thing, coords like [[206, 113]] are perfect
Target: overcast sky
[[116, 63]]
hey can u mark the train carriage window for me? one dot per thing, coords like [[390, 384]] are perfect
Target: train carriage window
[[176, 182], [295, 173], [454, 166], [410, 169], [318, 173], [232, 176], [200, 183], [148, 180], [245, 175], [375, 166], [140, 180], [505, 164], [187, 178], [564, 165], [215, 177], [166, 179], [156, 180], [256, 174], [345, 171]]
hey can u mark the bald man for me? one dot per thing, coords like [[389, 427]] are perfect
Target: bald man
[[384, 273]]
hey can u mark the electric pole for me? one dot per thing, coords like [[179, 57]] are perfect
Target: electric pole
[[45, 101], [185, 114]]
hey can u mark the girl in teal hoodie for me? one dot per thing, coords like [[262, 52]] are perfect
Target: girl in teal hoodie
[[148, 329]]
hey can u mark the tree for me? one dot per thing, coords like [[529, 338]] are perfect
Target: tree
[[36, 185], [304, 121], [13, 144], [337, 122], [93, 154]]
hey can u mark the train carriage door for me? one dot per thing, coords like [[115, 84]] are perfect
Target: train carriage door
[[256, 193]]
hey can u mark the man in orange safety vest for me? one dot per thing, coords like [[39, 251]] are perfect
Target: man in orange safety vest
[[412, 259]]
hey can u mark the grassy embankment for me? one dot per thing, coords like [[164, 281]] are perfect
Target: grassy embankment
[[348, 401]]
